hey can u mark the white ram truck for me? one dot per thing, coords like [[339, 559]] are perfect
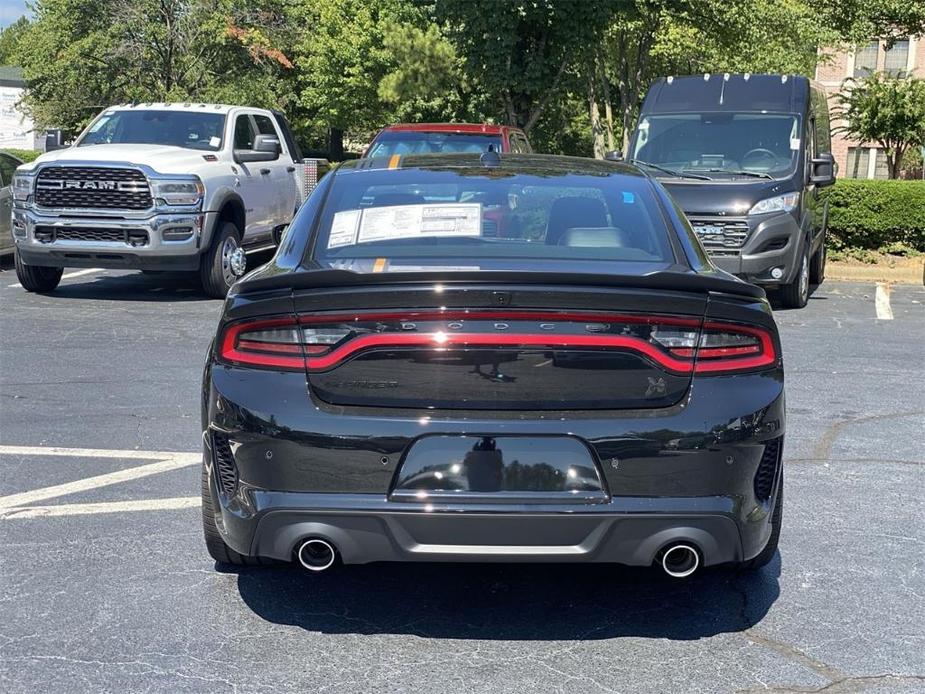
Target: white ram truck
[[159, 187]]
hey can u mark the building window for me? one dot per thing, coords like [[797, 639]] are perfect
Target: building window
[[881, 170], [865, 60], [858, 161], [896, 59]]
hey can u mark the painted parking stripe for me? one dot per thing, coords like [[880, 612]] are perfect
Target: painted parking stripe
[[175, 462], [69, 275], [178, 502], [60, 452], [882, 301]]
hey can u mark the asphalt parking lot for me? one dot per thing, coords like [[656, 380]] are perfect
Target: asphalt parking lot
[[105, 584]]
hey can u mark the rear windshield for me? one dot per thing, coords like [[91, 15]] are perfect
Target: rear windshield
[[412, 142], [482, 218], [151, 127]]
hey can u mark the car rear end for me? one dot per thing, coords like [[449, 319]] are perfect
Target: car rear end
[[400, 385]]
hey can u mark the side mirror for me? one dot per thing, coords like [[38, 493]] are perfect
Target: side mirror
[[822, 170], [266, 148], [613, 155]]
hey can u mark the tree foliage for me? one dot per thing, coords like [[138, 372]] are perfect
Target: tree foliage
[[888, 111], [9, 40]]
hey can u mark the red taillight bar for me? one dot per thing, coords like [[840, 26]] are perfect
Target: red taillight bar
[[299, 357]]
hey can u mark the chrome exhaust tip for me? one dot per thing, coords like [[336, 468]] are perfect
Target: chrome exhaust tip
[[316, 554], [680, 561]]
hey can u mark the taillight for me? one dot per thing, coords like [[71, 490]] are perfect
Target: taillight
[[321, 342], [719, 347], [279, 343]]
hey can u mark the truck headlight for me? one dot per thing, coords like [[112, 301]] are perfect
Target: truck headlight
[[779, 203], [177, 192], [22, 186]]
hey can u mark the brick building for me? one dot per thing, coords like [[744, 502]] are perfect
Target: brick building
[[903, 58]]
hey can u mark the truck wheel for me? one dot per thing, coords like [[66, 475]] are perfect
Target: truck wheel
[[215, 545], [215, 269], [36, 278], [817, 266], [796, 294], [767, 554]]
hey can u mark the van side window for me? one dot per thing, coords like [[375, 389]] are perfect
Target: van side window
[[264, 125]]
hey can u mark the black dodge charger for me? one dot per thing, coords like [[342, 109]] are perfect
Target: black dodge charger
[[493, 358]]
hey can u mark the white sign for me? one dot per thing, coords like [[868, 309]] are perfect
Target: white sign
[[372, 224]]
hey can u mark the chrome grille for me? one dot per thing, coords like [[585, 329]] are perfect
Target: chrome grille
[[719, 234], [92, 187]]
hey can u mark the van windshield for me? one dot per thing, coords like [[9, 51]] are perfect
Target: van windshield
[[732, 143]]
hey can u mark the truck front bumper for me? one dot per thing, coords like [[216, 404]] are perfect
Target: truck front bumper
[[155, 242]]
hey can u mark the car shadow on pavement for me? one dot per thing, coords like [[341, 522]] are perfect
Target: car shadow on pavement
[[548, 602], [134, 286]]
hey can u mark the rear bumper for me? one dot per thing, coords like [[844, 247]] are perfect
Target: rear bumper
[[157, 253], [304, 469]]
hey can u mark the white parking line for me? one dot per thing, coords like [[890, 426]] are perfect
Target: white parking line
[[882, 301], [167, 462], [69, 275], [101, 507]]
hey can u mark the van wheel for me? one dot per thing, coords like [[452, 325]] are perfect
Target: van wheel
[[817, 266], [36, 278], [796, 294], [215, 269]]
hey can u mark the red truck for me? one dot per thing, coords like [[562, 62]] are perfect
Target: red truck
[[427, 138]]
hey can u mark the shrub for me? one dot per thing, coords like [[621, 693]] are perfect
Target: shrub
[[26, 155], [877, 214]]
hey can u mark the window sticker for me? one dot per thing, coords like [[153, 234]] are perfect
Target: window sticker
[[628, 197], [344, 229], [794, 143], [215, 141], [410, 221]]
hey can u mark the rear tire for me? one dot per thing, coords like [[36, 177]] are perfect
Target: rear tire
[[767, 554], [215, 271], [817, 265], [796, 294], [36, 278], [215, 545]]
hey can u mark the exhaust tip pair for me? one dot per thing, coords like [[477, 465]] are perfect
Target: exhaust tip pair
[[316, 554]]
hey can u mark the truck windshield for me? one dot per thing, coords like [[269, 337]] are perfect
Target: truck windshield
[[418, 142], [150, 127], [514, 217], [749, 143]]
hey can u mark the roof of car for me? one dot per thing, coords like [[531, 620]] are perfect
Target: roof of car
[[547, 164], [480, 128]]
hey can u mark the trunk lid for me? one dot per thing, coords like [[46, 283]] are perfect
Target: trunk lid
[[514, 346]]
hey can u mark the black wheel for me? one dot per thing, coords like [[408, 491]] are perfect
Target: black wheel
[[767, 554], [817, 265], [36, 278], [216, 269], [215, 545], [796, 294]]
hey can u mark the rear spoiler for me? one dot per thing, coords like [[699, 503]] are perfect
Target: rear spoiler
[[663, 279]]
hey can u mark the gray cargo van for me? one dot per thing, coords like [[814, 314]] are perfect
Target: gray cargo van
[[745, 157]]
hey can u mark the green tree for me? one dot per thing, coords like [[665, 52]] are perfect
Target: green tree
[[890, 112], [9, 40], [79, 57]]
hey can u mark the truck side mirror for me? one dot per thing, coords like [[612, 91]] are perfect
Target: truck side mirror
[[613, 155], [265, 148], [822, 170]]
